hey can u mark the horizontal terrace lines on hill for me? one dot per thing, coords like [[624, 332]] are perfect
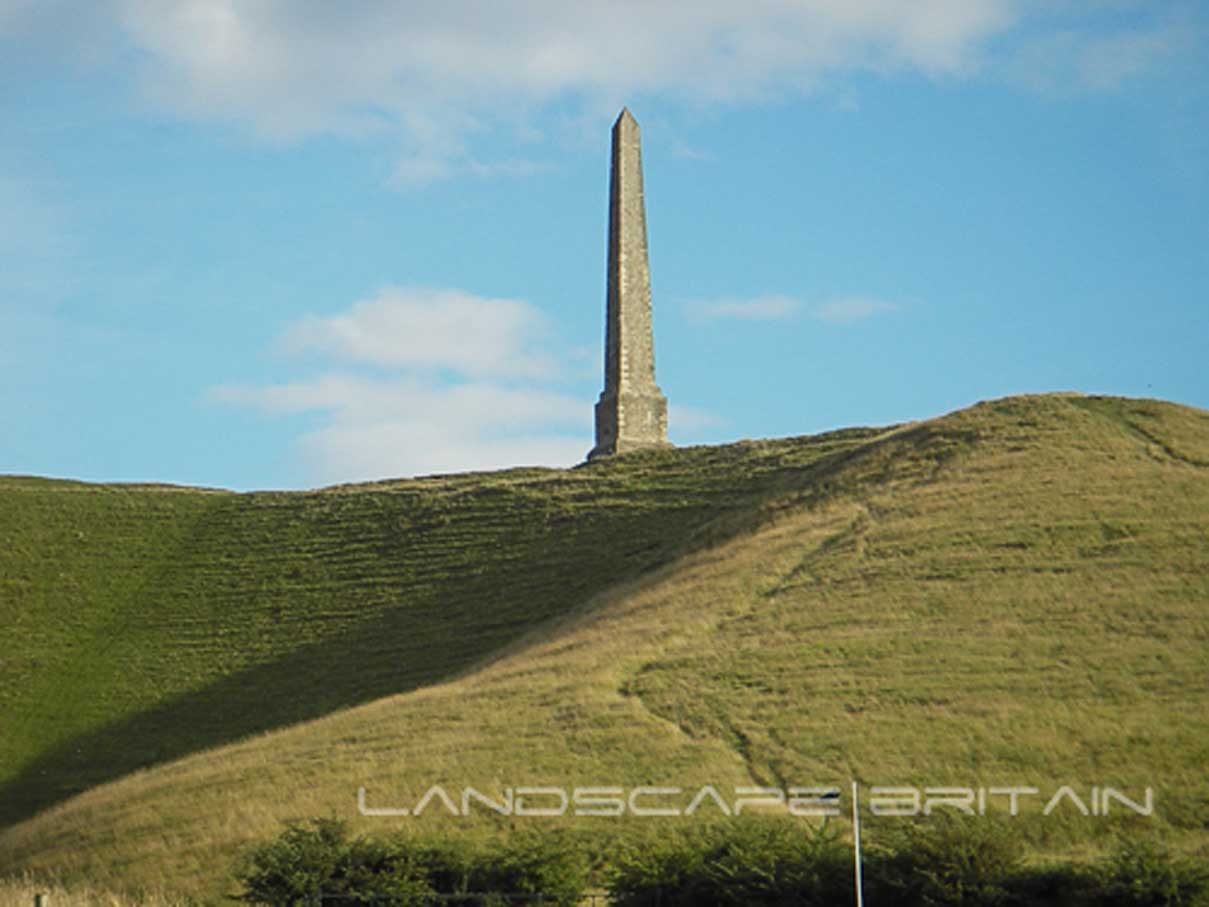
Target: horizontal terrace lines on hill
[[161, 614], [1013, 588]]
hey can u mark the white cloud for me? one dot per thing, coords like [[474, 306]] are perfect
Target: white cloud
[[355, 398], [458, 382], [1069, 60], [466, 386], [435, 76], [759, 308], [406, 426], [439, 72], [855, 308], [432, 329], [342, 453], [292, 67]]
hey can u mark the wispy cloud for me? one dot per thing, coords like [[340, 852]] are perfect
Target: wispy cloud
[[758, 308], [486, 406], [1069, 60], [689, 420], [459, 382], [689, 153], [38, 242], [854, 308], [418, 172], [777, 307]]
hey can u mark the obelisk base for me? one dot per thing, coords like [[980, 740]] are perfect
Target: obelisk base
[[629, 421]]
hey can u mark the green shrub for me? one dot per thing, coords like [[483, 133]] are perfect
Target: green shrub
[[665, 872], [447, 866], [773, 862], [294, 866], [1141, 873], [945, 859], [553, 864], [319, 857], [1054, 885], [751, 861]]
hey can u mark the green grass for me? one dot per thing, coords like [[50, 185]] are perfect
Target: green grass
[[1015, 593], [183, 619]]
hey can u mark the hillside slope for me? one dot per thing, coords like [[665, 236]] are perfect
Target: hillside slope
[[182, 618], [1017, 593]]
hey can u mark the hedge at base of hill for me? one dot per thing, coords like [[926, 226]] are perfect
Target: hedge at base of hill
[[319, 857], [756, 860]]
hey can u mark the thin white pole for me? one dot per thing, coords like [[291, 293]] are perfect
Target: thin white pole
[[856, 845]]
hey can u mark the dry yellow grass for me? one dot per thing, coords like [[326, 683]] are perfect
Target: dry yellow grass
[[20, 891]]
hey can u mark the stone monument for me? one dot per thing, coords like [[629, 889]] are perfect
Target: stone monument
[[632, 411]]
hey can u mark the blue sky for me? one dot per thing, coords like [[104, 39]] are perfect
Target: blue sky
[[289, 243]]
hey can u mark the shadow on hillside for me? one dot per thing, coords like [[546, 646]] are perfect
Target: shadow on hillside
[[308, 683], [403, 649]]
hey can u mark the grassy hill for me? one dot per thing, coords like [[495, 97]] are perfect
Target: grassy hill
[[182, 618], [1017, 593]]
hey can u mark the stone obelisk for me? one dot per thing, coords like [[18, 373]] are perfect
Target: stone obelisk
[[631, 412]]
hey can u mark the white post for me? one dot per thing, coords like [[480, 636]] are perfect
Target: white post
[[856, 845]]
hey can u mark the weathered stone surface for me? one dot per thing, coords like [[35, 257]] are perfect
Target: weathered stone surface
[[632, 411]]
